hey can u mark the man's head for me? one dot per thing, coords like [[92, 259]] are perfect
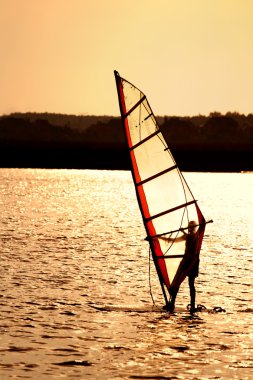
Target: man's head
[[192, 226]]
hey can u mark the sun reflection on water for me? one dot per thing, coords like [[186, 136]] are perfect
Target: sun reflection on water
[[72, 238]]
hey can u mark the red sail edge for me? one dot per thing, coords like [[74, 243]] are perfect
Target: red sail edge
[[155, 247]]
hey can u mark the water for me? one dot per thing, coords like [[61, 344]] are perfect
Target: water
[[70, 238]]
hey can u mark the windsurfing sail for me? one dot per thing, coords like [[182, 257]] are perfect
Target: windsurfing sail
[[166, 202]]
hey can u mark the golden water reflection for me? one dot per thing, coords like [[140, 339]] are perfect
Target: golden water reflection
[[70, 238]]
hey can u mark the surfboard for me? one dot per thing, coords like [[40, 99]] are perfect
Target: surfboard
[[154, 309]]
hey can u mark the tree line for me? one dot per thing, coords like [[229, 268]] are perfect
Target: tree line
[[216, 142], [231, 129]]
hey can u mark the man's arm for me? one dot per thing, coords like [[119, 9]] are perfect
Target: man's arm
[[168, 239]]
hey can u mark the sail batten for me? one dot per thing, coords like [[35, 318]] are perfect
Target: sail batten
[[165, 200], [135, 106], [156, 175], [147, 117], [170, 210], [145, 140]]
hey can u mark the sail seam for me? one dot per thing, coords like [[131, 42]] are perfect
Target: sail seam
[[170, 210], [156, 175], [134, 107]]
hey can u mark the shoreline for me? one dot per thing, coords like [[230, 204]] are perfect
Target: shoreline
[[111, 158]]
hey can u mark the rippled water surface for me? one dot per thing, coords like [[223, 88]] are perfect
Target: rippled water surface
[[71, 239]]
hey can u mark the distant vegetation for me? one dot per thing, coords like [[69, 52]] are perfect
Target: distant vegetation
[[56, 140]]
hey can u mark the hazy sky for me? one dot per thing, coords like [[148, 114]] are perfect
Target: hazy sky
[[190, 57]]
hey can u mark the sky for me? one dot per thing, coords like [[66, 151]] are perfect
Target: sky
[[189, 57]]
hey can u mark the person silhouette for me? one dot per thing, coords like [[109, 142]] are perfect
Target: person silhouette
[[189, 260]]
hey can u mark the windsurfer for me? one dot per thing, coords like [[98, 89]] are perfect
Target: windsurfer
[[191, 240]]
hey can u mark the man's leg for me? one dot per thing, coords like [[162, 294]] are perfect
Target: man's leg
[[191, 281]]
